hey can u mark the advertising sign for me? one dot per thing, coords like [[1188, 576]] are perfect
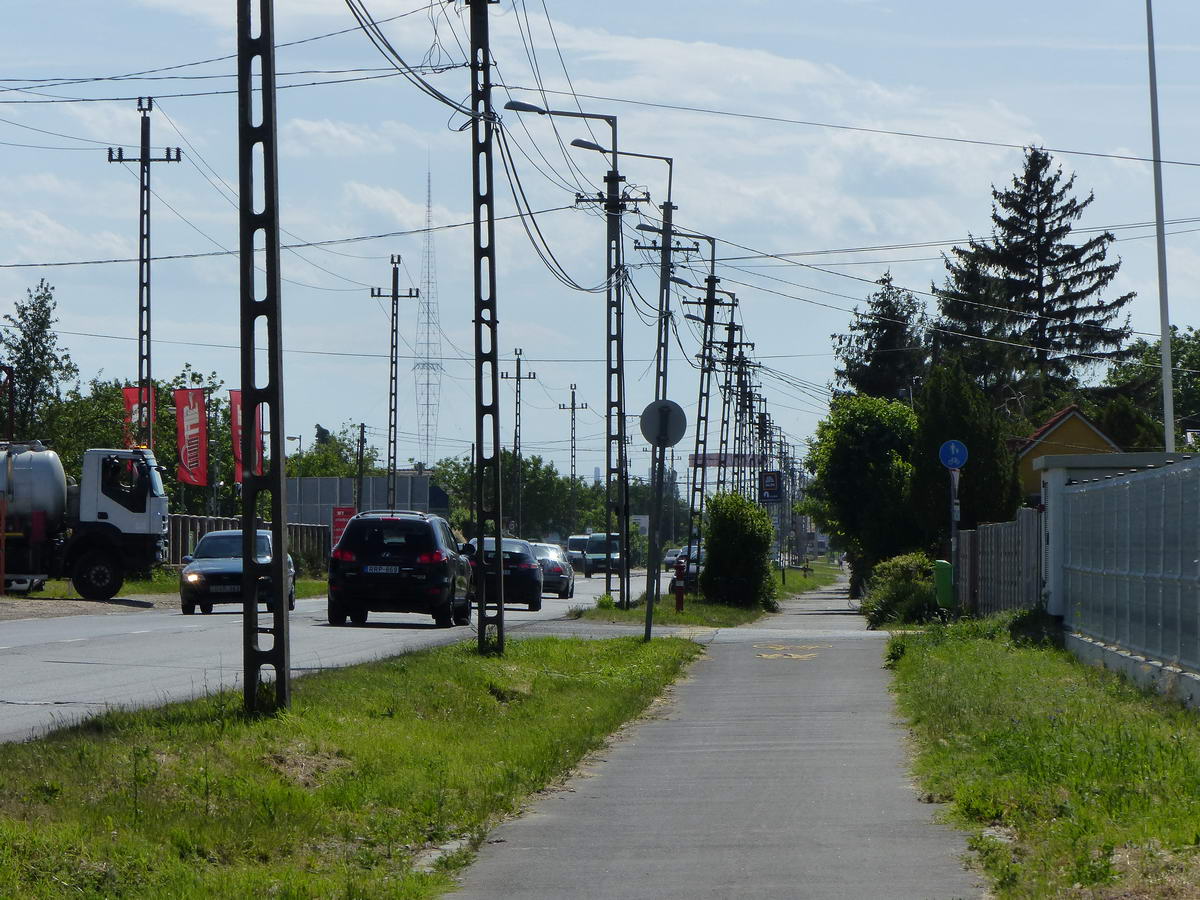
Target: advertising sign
[[341, 516], [770, 486], [135, 416], [191, 436], [235, 427]]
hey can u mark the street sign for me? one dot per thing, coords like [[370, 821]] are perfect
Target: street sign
[[663, 423], [770, 487], [953, 454]]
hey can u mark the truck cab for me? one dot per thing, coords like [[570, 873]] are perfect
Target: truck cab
[[118, 519]]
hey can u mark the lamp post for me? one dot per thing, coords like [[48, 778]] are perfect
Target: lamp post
[[299, 438], [614, 416], [661, 354]]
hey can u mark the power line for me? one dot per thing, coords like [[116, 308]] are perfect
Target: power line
[[325, 243], [857, 128]]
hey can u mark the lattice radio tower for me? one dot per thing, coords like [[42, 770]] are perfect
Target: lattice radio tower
[[428, 367]]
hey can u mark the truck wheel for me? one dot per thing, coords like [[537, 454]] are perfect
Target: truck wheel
[[189, 609], [97, 576]]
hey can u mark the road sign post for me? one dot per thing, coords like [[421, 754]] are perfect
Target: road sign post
[[663, 424], [953, 455]]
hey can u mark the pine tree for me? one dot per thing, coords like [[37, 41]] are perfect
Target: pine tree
[[885, 353], [1030, 285]]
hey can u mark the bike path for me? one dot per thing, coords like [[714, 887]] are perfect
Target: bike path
[[777, 768]]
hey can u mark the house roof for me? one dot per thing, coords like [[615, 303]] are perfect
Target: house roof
[[1052, 424]]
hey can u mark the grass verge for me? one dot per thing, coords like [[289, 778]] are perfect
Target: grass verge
[[1074, 782], [335, 797], [823, 574], [698, 611]]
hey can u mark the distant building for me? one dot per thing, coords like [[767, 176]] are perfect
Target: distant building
[[1068, 431]]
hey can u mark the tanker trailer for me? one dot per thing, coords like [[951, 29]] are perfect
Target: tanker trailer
[[113, 523]]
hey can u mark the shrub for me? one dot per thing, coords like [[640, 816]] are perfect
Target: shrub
[[737, 553], [901, 591]]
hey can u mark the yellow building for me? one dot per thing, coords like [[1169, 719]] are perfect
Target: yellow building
[[1068, 431]]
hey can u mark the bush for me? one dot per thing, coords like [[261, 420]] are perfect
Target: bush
[[738, 537], [901, 591]]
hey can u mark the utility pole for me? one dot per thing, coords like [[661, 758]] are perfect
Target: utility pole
[[574, 484], [144, 425], [731, 344], [518, 378], [362, 465], [393, 378], [260, 318], [488, 507], [703, 400], [1164, 313]]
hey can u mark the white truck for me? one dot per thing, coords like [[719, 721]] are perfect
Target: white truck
[[111, 524]]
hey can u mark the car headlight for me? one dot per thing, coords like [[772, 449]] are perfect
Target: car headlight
[[193, 577]]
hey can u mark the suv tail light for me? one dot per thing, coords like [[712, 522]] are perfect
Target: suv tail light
[[342, 555], [526, 565], [436, 556]]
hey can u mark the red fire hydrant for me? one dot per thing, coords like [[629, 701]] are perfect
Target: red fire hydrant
[[680, 581]]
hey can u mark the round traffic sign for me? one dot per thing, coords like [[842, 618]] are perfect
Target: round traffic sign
[[953, 454], [663, 423]]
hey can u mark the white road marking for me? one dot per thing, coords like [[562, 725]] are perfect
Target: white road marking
[[69, 641]]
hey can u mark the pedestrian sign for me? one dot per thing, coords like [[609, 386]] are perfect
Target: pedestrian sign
[[953, 454]]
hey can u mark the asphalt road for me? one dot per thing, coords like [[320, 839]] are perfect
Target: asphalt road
[[54, 671]]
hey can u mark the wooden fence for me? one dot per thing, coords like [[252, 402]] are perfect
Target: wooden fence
[[999, 566]]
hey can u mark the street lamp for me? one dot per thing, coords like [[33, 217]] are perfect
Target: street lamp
[[299, 447], [662, 349], [615, 372]]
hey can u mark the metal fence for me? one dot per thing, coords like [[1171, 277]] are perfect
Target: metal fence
[[185, 531], [999, 565], [1131, 562]]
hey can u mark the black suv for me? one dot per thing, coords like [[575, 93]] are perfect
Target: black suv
[[399, 561]]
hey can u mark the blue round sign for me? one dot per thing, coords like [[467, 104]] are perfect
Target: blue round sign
[[953, 454]]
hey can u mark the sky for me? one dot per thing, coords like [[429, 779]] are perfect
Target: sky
[[844, 132]]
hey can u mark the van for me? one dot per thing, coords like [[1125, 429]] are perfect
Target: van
[[576, 548]]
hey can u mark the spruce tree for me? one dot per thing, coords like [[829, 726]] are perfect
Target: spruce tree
[[1031, 285], [885, 352]]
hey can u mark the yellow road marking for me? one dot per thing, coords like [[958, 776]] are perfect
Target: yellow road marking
[[786, 655], [793, 647]]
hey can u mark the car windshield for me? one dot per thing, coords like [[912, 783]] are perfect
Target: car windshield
[[599, 543], [579, 542], [547, 551], [389, 535], [510, 547], [228, 546]]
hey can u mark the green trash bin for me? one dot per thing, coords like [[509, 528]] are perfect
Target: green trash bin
[[943, 583]]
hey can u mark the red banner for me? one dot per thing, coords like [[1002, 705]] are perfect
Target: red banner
[[191, 436], [135, 415], [235, 420], [341, 517]]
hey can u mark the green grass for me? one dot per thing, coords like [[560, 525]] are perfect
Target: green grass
[[696, 611], [823, 574], [163, 581], [1073, 781], [332, 798]]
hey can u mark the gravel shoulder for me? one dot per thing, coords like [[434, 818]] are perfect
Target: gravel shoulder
[[21, 606]]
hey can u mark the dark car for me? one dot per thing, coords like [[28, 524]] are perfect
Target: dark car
[[213, 572], [522, 571], [402, 562], [558, 577]]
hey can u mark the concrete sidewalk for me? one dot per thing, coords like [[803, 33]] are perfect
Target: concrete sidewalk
[[778, 769]]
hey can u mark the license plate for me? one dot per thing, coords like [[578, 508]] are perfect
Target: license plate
[[225, 589], [382, 570]]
